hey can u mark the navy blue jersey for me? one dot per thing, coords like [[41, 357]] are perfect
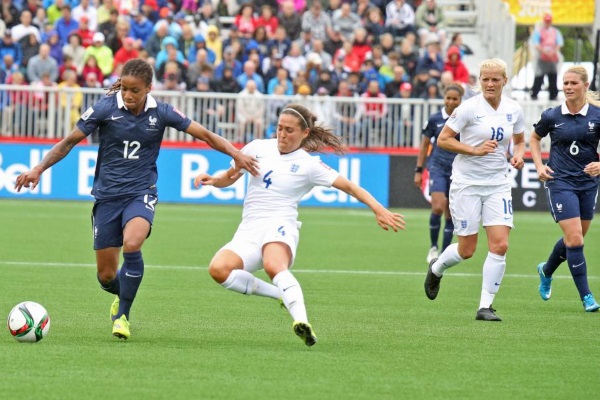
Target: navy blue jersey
[[439, 158], [129, 144], [574, 144]]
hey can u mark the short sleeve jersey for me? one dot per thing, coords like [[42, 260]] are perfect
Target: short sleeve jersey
[[283, 180], [477, 121], [439, 159], [574, 144], [129, 144]]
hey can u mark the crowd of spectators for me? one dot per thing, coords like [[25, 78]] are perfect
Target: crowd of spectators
[[367, 49], [305, 47]]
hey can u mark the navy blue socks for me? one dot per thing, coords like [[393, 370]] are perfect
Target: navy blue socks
[[578, 268], [557, 257], [434, 228], [112, 286], [130, 278]]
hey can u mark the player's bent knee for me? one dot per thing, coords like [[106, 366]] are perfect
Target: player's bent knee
[[219, 271], [105, 275]]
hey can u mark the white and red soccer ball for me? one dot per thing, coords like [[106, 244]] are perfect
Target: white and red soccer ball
[[28, 322]]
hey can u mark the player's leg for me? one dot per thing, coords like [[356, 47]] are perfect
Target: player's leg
[[277, 257], [497, 218], [227, 269], [132, 271], [108, 239], [558, 254], [438, 204], [574, 229], [465, 206], [448, 228]]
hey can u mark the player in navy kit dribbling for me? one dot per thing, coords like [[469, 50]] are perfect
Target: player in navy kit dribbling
[[570, 178], [131, 124]]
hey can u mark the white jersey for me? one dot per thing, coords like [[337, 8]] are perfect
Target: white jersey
[[282, 181], [477, 121]]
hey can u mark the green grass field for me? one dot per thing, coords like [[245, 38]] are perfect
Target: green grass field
[[379, 336]]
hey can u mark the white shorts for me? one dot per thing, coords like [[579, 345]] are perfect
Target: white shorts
[[251, 236], [471, 204]]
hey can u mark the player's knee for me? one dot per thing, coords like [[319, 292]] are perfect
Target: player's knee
[[466, 252], [105, 275], [132, 244], [499, 248], [219, 271]]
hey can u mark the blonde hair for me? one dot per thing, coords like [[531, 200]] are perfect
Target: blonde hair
[[495, 64], [591, 96], [491, 64]]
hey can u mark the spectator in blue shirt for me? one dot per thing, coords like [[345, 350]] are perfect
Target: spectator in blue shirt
[[8, 46], [250, 74], [65, 25], [230, 61], [141, 27]]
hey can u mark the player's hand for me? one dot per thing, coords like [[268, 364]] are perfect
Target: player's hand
[[29, 179], [517, 162], [489, 146], [243, 161], [545, 173], [203, 180], [387, 219], [418, 179], [592, 169]]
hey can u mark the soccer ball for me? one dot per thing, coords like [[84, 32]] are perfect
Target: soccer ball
[[28, 322]]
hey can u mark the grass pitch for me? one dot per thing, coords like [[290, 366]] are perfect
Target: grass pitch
[[379, 336]]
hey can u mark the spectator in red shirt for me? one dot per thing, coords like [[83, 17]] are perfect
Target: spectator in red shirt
[[127, 52], [84, 31], [245, 21], [455, 65], [268, 20]]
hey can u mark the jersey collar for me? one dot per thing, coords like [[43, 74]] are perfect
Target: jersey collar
[[565, 110], [445, 115], [150, 102]]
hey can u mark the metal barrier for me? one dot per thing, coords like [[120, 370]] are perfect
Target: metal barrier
[[31, 112]]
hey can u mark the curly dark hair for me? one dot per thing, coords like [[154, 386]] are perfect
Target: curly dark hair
[[136, 67]]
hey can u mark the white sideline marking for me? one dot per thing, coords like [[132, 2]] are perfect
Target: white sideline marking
[[303, 271]]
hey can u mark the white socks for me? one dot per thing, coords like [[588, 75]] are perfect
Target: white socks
[[447, 259], [245, 283], [493, 272], [291, 293]]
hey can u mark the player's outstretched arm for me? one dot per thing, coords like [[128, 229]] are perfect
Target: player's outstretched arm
[[385, 218], [421, 158], [218, 143], [30, 179], [222, 180]]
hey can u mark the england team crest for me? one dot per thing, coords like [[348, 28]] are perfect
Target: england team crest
[[509, 117]]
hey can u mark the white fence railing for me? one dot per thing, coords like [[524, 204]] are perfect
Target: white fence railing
[[497, 28], [28, 112]]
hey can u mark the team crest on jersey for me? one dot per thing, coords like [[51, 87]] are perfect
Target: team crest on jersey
[[152, 120], [294, 168], [591, 126], [87, 114], [509, 117], [179, 112]]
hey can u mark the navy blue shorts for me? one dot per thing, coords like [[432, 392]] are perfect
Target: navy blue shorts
[[439, 182], [565, 204], [109, 217]]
